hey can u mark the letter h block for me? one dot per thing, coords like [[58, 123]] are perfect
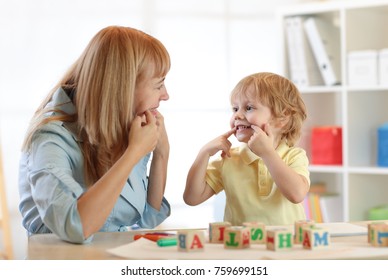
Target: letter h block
[[191, 240], [237, 237], [258, 233], [279, 239], [315, 238], [216, 231], [299, 225]]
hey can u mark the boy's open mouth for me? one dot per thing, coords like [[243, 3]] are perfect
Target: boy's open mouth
[[241, 127]]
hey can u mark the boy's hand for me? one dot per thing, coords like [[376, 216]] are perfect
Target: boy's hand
[[221, 143], [262, 140]]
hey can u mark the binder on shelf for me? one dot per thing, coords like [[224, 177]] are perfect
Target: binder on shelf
[[303, 67], [324, 37]]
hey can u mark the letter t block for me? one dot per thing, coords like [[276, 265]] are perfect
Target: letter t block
[[236, 237]]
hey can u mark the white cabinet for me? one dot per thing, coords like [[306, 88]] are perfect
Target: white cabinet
[[359, 110]]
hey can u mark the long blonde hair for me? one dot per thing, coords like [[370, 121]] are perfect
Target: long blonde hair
[[281, 96], [103, 79]]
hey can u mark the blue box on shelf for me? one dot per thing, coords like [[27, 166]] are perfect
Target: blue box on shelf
[[382, 143]]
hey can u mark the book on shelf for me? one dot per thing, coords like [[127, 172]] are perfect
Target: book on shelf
[[322, 206], [303, 67], [331, 207], [323, 37]]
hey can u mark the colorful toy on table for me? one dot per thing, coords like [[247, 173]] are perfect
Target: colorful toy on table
[[279, 239], [191, 240], [378, 234], [258, 232], [315, 237], [167, 241], [216, 231], [298, 229], [237, 237], [154, 236]]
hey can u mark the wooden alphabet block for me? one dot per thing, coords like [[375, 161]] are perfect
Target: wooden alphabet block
[[258, 232], [236, 237], [279, 239], [191, 240], [378, 234], [299, 229], [315, 238], [216, 231]]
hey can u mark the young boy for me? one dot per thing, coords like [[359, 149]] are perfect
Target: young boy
[[266, 178]]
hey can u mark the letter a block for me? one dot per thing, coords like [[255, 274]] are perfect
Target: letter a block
[[258, 233], [191, 240], [237, 237], [216, 231], [378, 235], [279, 239], [315, 238], [299, 225]]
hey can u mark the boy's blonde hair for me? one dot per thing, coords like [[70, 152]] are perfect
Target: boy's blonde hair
[[103, 80], [281, 96]]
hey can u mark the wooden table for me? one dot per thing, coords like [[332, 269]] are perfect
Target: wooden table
[[49, 246]]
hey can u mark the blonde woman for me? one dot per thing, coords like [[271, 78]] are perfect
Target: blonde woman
[[266, 178], [84, 166]]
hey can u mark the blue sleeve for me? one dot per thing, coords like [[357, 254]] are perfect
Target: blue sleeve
[[53, 187], [152, 217]]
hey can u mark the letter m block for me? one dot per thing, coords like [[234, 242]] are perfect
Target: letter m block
[[315, 238]]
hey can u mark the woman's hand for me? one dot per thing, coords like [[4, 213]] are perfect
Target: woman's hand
[[163, 145], [144, 133]]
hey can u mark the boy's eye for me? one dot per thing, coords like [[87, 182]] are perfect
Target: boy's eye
[[249, 108], [234, 109]]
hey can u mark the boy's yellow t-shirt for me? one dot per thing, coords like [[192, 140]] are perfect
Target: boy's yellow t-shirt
[[251, 194]]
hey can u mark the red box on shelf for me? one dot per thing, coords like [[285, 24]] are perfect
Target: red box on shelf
[[326, 145]]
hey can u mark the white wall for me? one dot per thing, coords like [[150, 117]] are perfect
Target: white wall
[[212, 45]]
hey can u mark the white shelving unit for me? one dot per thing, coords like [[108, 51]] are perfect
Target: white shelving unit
[[358, 110]]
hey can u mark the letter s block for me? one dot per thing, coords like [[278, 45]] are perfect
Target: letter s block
[[258, 233]]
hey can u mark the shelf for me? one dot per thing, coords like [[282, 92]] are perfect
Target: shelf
[[369, 170], [359, 110], [326, 168]]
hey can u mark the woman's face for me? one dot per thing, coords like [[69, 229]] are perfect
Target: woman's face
[[148, 94]]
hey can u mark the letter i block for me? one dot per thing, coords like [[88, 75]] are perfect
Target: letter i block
[[378, 234], [258, 233], [237, 237], [315, 238], [299, 225], [216, 231], [191, 240], [279, 239]]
